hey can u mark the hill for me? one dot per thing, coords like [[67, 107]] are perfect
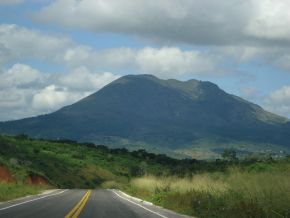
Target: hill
[[67, 164], [163, 116], [28, 166]]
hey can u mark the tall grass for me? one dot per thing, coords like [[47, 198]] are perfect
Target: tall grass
[[232, 194], [270, 190], [203, 182]]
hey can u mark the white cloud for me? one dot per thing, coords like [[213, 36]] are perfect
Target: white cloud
[[164, 62], [11, 99], [171, 62], [20, 75], [271, 20], [17, 84], [279, 101], [244, 30], [226, 22], [82, 80], [86, 69], [17, 43], [276, 57], [25, 91], [240, 54], [52, 97]]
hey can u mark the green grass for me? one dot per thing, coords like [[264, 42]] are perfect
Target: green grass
[[13, 190]]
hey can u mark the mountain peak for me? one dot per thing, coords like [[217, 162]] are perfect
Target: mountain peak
[[138, 76]]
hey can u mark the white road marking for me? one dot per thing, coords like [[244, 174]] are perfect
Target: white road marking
[[36, 199], [158, 214]]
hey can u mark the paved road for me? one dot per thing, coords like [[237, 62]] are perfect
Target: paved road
[[82, 204]]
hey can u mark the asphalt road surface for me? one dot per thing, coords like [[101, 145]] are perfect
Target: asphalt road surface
[[82, 204]]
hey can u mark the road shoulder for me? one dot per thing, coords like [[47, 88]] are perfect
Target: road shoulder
[[162, 212], [30, 198]]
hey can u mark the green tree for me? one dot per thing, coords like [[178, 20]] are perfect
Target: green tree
[[229, 154]]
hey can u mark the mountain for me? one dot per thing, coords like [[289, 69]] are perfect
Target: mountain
[[144, 111]]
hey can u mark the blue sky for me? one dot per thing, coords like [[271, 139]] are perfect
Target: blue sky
[[55, 52]]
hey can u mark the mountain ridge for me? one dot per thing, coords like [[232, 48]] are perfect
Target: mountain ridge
[[142, 110]]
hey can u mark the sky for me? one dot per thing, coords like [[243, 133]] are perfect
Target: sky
[[56, 52]]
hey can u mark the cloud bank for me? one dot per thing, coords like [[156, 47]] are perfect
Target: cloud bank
[[206, 22], [25, 91], [18, 43], [219, 37]]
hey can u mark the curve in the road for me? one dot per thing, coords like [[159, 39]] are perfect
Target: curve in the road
[[83, 204]]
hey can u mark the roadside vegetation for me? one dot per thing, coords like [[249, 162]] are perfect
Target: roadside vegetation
[[228, 187], [234, 193], [16, 190], [248, 188]]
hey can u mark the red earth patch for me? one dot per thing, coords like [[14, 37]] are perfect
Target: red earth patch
[[36, 180], [5, 175]]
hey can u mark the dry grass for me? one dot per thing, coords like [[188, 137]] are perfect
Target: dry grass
[[271, 190], [235, 193], [111, 185], [203, 182]]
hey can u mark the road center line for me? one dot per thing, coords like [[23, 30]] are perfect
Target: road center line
[[36, 199], [75, 212], [158, 214]]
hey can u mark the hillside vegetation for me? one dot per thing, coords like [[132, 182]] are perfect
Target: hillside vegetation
[[30, 165], [66, 164], [222, 188]]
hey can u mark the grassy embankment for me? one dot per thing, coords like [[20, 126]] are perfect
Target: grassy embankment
[[14, 190]]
